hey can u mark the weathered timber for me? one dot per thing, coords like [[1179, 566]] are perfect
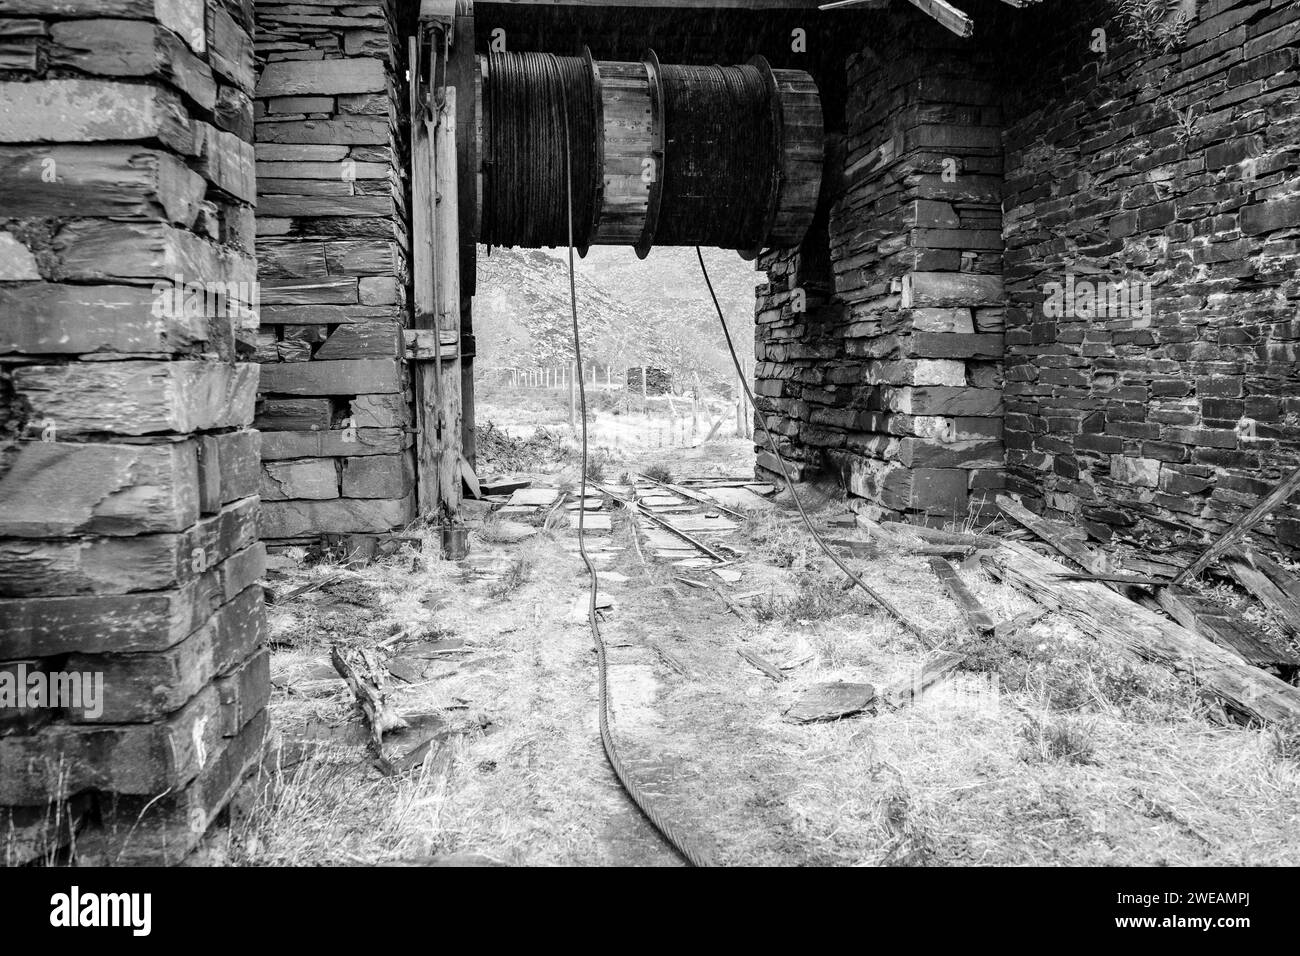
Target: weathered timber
[[1190, 610], [767, 668], [1224, 626], [905, 689], [361, 670], [977, 616], [1241, 527], [1274, 587], [1098, 611]]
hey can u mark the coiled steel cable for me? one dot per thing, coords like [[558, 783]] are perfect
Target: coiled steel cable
[[524, 149], [721, 141], [674, 839], [720, 170]]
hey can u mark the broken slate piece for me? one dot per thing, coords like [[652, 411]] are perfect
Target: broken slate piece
[[830, 701]]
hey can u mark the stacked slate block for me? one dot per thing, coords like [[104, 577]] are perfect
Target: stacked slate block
[[879, 342], [128, 469], [334, 407], [1179, 169]]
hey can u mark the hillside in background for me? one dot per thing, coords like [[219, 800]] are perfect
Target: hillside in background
[[631, 311]]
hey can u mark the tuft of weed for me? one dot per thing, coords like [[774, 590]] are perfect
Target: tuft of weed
[[515, 576], [909, 827], [816, 598], [658, 473], [1052, 738], [782, 542], [489, 531], [1156, 25], [1285, 741]]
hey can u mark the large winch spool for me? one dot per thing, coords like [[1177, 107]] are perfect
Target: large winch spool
[[728, 157]]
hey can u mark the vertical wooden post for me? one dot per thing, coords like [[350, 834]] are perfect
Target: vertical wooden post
[[447, 283], [435, 224], [425, 306]]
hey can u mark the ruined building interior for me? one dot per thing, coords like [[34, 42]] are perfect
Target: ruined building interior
[[1032, 257]]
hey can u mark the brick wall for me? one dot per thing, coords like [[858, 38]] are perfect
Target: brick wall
[[332, 247], [1181, 170], [879, 342], [128, 472]]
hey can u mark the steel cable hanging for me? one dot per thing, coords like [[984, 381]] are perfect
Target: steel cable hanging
[[665, 829], [880, 599]]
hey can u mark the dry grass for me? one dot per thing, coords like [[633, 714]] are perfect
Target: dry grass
[[1051, 749]]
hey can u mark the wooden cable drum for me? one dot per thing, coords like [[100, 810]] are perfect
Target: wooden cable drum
[[728, 157]]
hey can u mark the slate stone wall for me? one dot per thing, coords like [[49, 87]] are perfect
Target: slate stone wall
[[332, 241], [1180, 170], [1160, 166], [879, 343], [129, 554]]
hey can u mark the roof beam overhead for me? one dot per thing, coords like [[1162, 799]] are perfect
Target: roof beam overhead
[[672, 4], [948, 15]]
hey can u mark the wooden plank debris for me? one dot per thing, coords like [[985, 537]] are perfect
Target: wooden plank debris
[[977, 616], [905, 689], [1005, 630], [1199, 615], [1271, 584], [1224, 626], [1114, 619], [360, 669], [1242, 526]]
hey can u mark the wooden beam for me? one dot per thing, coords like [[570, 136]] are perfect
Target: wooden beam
[[1285, 489], [977, 616], [1274, 588], [947, 15], [1190, 610], [673, 4], [1116, 620]]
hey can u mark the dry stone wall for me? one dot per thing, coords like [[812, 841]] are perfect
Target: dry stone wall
[[1060, 258], [1179, 173], [879, 343], [129, 554], [332, 247]]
